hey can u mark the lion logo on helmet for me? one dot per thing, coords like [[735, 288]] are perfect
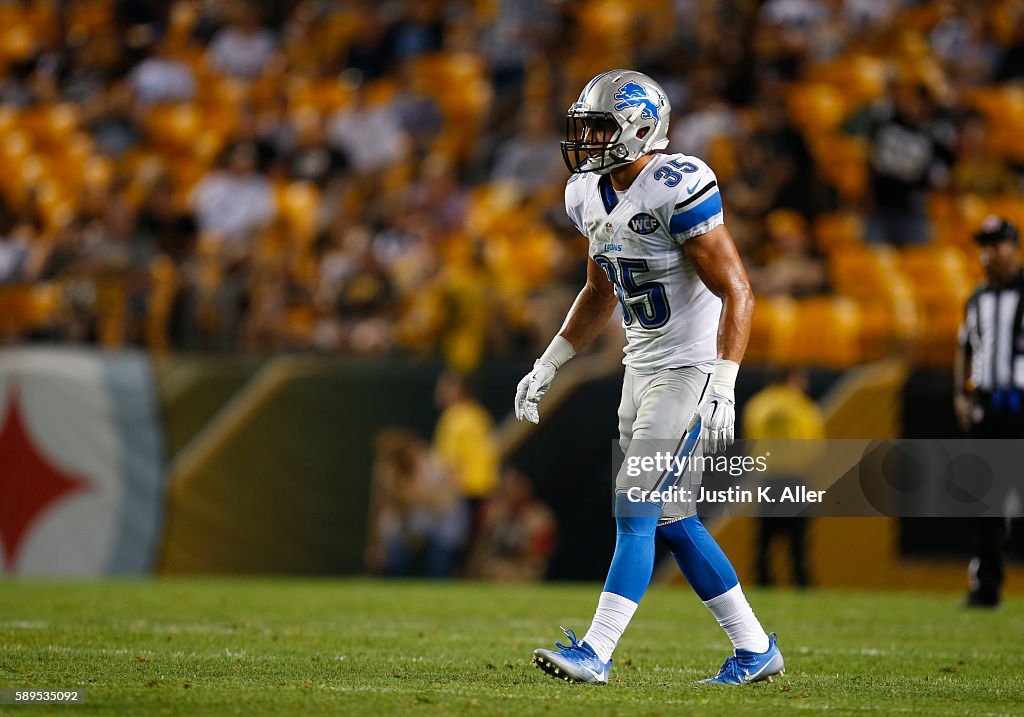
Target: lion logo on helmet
[[633, 94]]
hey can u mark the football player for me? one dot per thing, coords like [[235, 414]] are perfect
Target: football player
[[660, 249]]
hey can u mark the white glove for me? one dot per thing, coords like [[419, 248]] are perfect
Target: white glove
[[535, 384], [717, 410]]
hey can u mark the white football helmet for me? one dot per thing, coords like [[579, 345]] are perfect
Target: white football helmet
[[620, 116]]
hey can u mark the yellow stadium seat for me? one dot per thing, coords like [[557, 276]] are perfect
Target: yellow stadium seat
[[844, 162], [175, 126], [827, 332], [839, 229], [298, 204], [17, 42], [773, 329], [861, 78], [51, 126], [862, 270], [24, 307], [816, 107], [936, 272], [98, 171]]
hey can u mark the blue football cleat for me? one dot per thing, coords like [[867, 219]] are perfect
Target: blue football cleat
[[576, 662], [746, 667]]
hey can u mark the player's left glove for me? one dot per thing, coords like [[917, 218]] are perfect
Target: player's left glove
[[717, 410], [535, 384]]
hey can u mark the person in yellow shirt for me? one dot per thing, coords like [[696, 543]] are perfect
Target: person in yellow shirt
[[783, 411], [464, 441]]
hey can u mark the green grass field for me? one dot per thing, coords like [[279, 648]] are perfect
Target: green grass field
[[205, 647]]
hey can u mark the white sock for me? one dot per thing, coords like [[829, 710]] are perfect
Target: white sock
[[733, 613], [610, 620]]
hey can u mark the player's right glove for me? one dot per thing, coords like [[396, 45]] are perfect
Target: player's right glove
[[717, 410], [535, 384]]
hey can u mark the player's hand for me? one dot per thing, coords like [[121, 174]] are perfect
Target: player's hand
[[532, 388], [963, 405], [717, 413]]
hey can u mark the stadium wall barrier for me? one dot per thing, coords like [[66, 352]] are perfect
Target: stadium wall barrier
[[81, 463], [119, 463]]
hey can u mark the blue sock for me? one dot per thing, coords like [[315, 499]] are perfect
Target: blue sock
[[633, 561], [699, 556]]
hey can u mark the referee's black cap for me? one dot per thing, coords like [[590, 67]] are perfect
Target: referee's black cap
[[995, 229]]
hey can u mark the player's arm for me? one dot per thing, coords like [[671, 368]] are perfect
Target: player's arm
[[717, 263], [963, 404], [586, 318], [591, 310]]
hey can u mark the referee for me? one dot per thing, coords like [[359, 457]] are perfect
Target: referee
[[988, 381]]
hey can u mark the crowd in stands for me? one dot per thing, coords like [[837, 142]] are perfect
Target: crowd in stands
[[449, 508], [368, 176]]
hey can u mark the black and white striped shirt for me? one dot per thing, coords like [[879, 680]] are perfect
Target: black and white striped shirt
[[993, 330]]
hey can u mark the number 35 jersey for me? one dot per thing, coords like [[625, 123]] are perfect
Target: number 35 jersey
[[637, 236]]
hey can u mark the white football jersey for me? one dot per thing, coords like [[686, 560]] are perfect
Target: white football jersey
[[636, 236]]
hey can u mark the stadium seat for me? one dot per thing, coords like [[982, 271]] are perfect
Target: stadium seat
[[843, 160], [838, 229], [174, 126], [298, 204], [26, 307], [936, 271], [860, 78], [827, 332], [17, 42], [862, 270], [816, 107], [941, 284], [772, 331]]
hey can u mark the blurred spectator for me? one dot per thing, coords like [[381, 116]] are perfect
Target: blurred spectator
[[20, 258], [172, 230], [463, 439], [959, 41], [1011, 65], [864, 16], [244, 48], [313, 159], [792, 181], [416, 108], [417, 522], [15, 90], [404, 113], [419, 30], [235, 202], [526, 158], [369, 134], [516, 33], [789, 31], [162, 78], [784, 414], [790, 267], [438, 197], [978, 169], [113, 125], [516, 535], [708, 117], [371, 53], [910, 152]]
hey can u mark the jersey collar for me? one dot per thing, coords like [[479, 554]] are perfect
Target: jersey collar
[[608, 196], [607, 192]]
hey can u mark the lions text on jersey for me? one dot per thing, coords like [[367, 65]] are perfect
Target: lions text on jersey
[[636, 236]]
